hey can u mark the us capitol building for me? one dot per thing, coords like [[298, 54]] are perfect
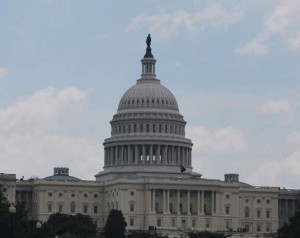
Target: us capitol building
[[148, 175]]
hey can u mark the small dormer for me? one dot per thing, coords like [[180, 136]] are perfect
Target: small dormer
[[61, 171]]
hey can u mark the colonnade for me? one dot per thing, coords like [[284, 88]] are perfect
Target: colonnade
[[287, 208], [148, 154], [170, 201]]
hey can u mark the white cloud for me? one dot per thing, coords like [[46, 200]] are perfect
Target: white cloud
[[283, 22], [221, 141], [277, 172], [167, 24], [29, 146], [256, 46], [277, 106], [3, 72], [42, 108]]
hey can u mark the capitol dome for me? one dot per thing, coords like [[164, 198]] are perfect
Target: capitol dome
[[147, 132], [148, 94]]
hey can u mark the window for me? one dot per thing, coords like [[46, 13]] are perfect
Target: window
[[247, 200], [134, 128], [268, 228], [85, 195], [268, 201], [49, 194], [258, 227], [258, 213], [158, 222], [228, 224], [85, 208], [72, 207], [268, 214], [141, 128], [154, 128], [131, 193], [160, 128], [207, 223], [95, 209], [95, 195], [129, 128], [50, 207], [60, 194], [148, 128], [60, 208], [227, 210], [258, 200], [173, 222], [131, 222], [171, 207], [227, 196], [193, 223], [247, 212], [132, 207], [73, 195]]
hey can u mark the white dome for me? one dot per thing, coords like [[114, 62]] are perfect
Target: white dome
[[148, 93]]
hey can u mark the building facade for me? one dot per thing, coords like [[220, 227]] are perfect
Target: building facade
[[148, 175]]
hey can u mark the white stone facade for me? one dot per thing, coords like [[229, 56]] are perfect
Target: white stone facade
[[142, 176]]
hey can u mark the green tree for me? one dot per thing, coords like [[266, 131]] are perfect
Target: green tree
[[205, 234], [63, 225], [115, 226], [292, 228]]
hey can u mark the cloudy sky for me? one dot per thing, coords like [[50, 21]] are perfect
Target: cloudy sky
[[233, 66]]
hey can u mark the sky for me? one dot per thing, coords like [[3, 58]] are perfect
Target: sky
[[232, 65]]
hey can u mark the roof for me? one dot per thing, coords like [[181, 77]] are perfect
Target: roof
[[62, 178]]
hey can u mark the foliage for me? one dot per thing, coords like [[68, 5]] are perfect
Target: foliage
[[143, 234], [205, 234], [115, 225], [292, 228], [63, 225]]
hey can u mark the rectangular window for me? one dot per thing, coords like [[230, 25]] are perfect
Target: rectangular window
[[258, 214], [49, 194], [49, 207], [228, 224], [193, 223], [268, 214], [207, 223], [173, 222], [159, 222], [227, 196], [131, 222], [258, 200], [154, 128], [131, 193], [131, 207], [60, 194], [95, 195], [141, 128], [258, 228], [95, 209], [85, 195], [227, 210], [60, 208], [85, 208]]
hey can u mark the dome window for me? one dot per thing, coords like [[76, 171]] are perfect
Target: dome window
[[143, 101], [153, 100], [160, 128], [154, 128], [134, 128], [147, 128], [162, 101], [147, 100], [166, 128], [157, 101], [141, 128], [129, 128]]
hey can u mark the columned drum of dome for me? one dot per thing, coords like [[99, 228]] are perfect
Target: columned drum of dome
[[148, 131]]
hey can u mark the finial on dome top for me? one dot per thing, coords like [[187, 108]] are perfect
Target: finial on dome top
[[148, 49]]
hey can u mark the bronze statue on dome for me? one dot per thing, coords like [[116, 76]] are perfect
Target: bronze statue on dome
[[148, 40]]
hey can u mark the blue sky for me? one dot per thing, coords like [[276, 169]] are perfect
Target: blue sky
[[232, 65]]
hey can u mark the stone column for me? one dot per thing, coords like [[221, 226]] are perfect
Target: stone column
[[149, 196], [178, 202], [153, 201], [164, 201], [198, 203], [166, 155], [188, 202], [212, 202], [173, 155], [178, 155], [136, 154], [128, 155], [122, 154], [111, 153], [168, 201], [144, 154], [202, 201], [151, 154], [158, 154]]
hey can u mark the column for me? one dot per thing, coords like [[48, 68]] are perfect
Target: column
[[164, 201], [136, 154], [173, 154], [168, 201], [198, 203], [202, 201], [212, 202], [129, 159], [178, 202], [151, 154], [158, 154], [122, 155], [153, 200], [149, 196], [188, 202], [166, 155], [144, 154], [111, 155], [178, 155]]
